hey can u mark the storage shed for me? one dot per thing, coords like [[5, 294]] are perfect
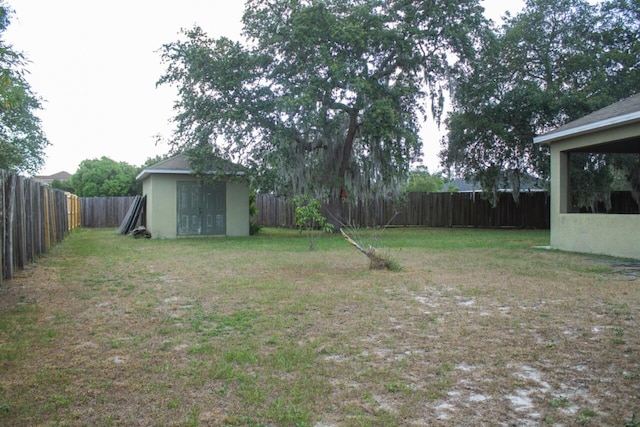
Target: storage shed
[[179, 203], [614, 129]]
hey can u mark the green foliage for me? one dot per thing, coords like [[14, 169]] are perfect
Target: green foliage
[[105, 177], [253, 211], [556, 61], [309, 218], [633, 422], [560, 402], [62, 185], [421, 181], [254, 228], [22, 141], [323, 96], [621, 38]]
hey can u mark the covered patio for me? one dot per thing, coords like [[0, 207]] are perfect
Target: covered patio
[[611, 130]]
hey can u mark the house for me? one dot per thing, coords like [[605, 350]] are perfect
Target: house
[[48, 179], [179, 203], [614, 129]]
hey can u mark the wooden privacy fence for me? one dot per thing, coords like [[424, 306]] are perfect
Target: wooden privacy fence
[[104, 212], [431, 210], [34, 217]]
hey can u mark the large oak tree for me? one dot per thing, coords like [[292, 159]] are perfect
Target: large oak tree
[[554, 62], [325, 97]]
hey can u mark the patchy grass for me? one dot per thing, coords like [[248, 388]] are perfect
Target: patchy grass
[[478, 327]]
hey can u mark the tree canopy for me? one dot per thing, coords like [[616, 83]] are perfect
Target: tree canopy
[[556, 61], [22, 140], [105, 177], [421, 181], [323, 96]]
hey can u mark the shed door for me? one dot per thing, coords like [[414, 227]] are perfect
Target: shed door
[[201, 209]]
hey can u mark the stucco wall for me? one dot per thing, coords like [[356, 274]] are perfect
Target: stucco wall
[[237, 209], [162, 205], [614, 235]]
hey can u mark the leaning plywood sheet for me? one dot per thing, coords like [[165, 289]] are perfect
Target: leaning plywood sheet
[[133, 215]]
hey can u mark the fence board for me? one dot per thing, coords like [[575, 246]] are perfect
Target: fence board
[[32, 218], [104, 212], [8, 238], [421, 209]]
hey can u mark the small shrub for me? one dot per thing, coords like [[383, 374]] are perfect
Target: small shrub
[[254, 228], [309, 218]]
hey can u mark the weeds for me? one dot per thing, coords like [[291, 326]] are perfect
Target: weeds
[[586, 416], [633, 422], [560, 402]]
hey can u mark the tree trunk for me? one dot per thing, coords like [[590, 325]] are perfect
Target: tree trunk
[[334, 208], [334, 213]]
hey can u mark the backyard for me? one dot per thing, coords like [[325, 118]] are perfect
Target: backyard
[[479, 327]]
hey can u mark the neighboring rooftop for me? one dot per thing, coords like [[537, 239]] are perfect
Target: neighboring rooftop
[[48, 179], [527, 183]]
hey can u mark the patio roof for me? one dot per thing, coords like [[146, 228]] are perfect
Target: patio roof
[[621, 113]]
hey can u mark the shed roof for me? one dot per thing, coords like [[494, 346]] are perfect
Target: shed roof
[[179, 164], [621, 113]]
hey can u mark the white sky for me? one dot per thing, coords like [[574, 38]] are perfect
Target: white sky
[[96, 64]]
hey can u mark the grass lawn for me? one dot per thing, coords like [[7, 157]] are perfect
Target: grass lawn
[[478, 328]]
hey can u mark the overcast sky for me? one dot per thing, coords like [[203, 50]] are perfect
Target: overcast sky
[[96, 64]]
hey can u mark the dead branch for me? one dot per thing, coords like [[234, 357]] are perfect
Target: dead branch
[[377, 261]]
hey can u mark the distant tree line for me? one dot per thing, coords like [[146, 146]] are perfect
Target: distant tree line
[[105, 177]]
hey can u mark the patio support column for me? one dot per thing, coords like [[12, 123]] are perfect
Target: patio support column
[[564, 184]]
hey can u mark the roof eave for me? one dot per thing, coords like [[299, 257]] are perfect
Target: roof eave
[[588, 128], [145, 173]]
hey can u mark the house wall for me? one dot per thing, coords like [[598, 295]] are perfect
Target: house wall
[[161, 191], [614, 235]]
